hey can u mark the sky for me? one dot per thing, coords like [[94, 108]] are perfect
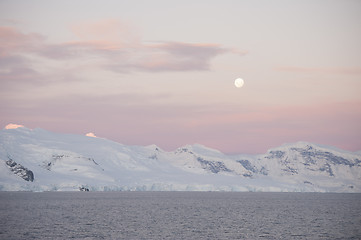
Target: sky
[[162, 72]]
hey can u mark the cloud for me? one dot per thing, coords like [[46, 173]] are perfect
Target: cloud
[[335, 70], [168, 56], [186, 56], [121, 44], [113, 32], [13, 126], [15, 64], [13, 41], [106, 45]]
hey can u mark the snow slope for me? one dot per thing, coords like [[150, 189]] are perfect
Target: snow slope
[[38, 160]]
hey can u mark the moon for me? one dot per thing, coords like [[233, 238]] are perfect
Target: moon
[[238, 82]]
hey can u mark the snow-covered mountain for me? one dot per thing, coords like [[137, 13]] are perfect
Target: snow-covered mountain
[[39, 160]]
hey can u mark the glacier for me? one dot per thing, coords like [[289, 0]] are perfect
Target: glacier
[[39, 160]]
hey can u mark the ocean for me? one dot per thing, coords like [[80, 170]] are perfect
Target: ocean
[[179, 215]]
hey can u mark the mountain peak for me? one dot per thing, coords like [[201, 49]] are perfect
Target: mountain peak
[[199, 148], [153, 147], [13, 126], [308, 146]]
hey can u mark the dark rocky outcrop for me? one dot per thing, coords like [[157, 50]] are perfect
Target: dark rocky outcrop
[[213, 166], [84, 189], [20, 170]]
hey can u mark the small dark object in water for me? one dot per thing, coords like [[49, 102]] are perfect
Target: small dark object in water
[[84, 189]]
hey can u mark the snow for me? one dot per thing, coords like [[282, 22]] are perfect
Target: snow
[[13, 126], [63, 162]]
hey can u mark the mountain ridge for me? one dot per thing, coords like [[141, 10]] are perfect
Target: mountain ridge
[[56, 161]]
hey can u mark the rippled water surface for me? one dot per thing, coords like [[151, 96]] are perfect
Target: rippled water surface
[[179, 215]]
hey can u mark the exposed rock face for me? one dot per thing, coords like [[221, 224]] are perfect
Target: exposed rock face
[[20, 170], [253, 170], [312, 159], [213, 166]]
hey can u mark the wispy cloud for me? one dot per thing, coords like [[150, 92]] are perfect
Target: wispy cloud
[[322, 70], [108, 45], [15, 65], [168, 56], [13, 41]]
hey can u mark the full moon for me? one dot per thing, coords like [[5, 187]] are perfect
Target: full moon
[[238, 82]]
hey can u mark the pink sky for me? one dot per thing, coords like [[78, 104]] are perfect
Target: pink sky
[[155, 73]]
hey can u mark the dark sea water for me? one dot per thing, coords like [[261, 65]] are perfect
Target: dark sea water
[[179, 215]]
